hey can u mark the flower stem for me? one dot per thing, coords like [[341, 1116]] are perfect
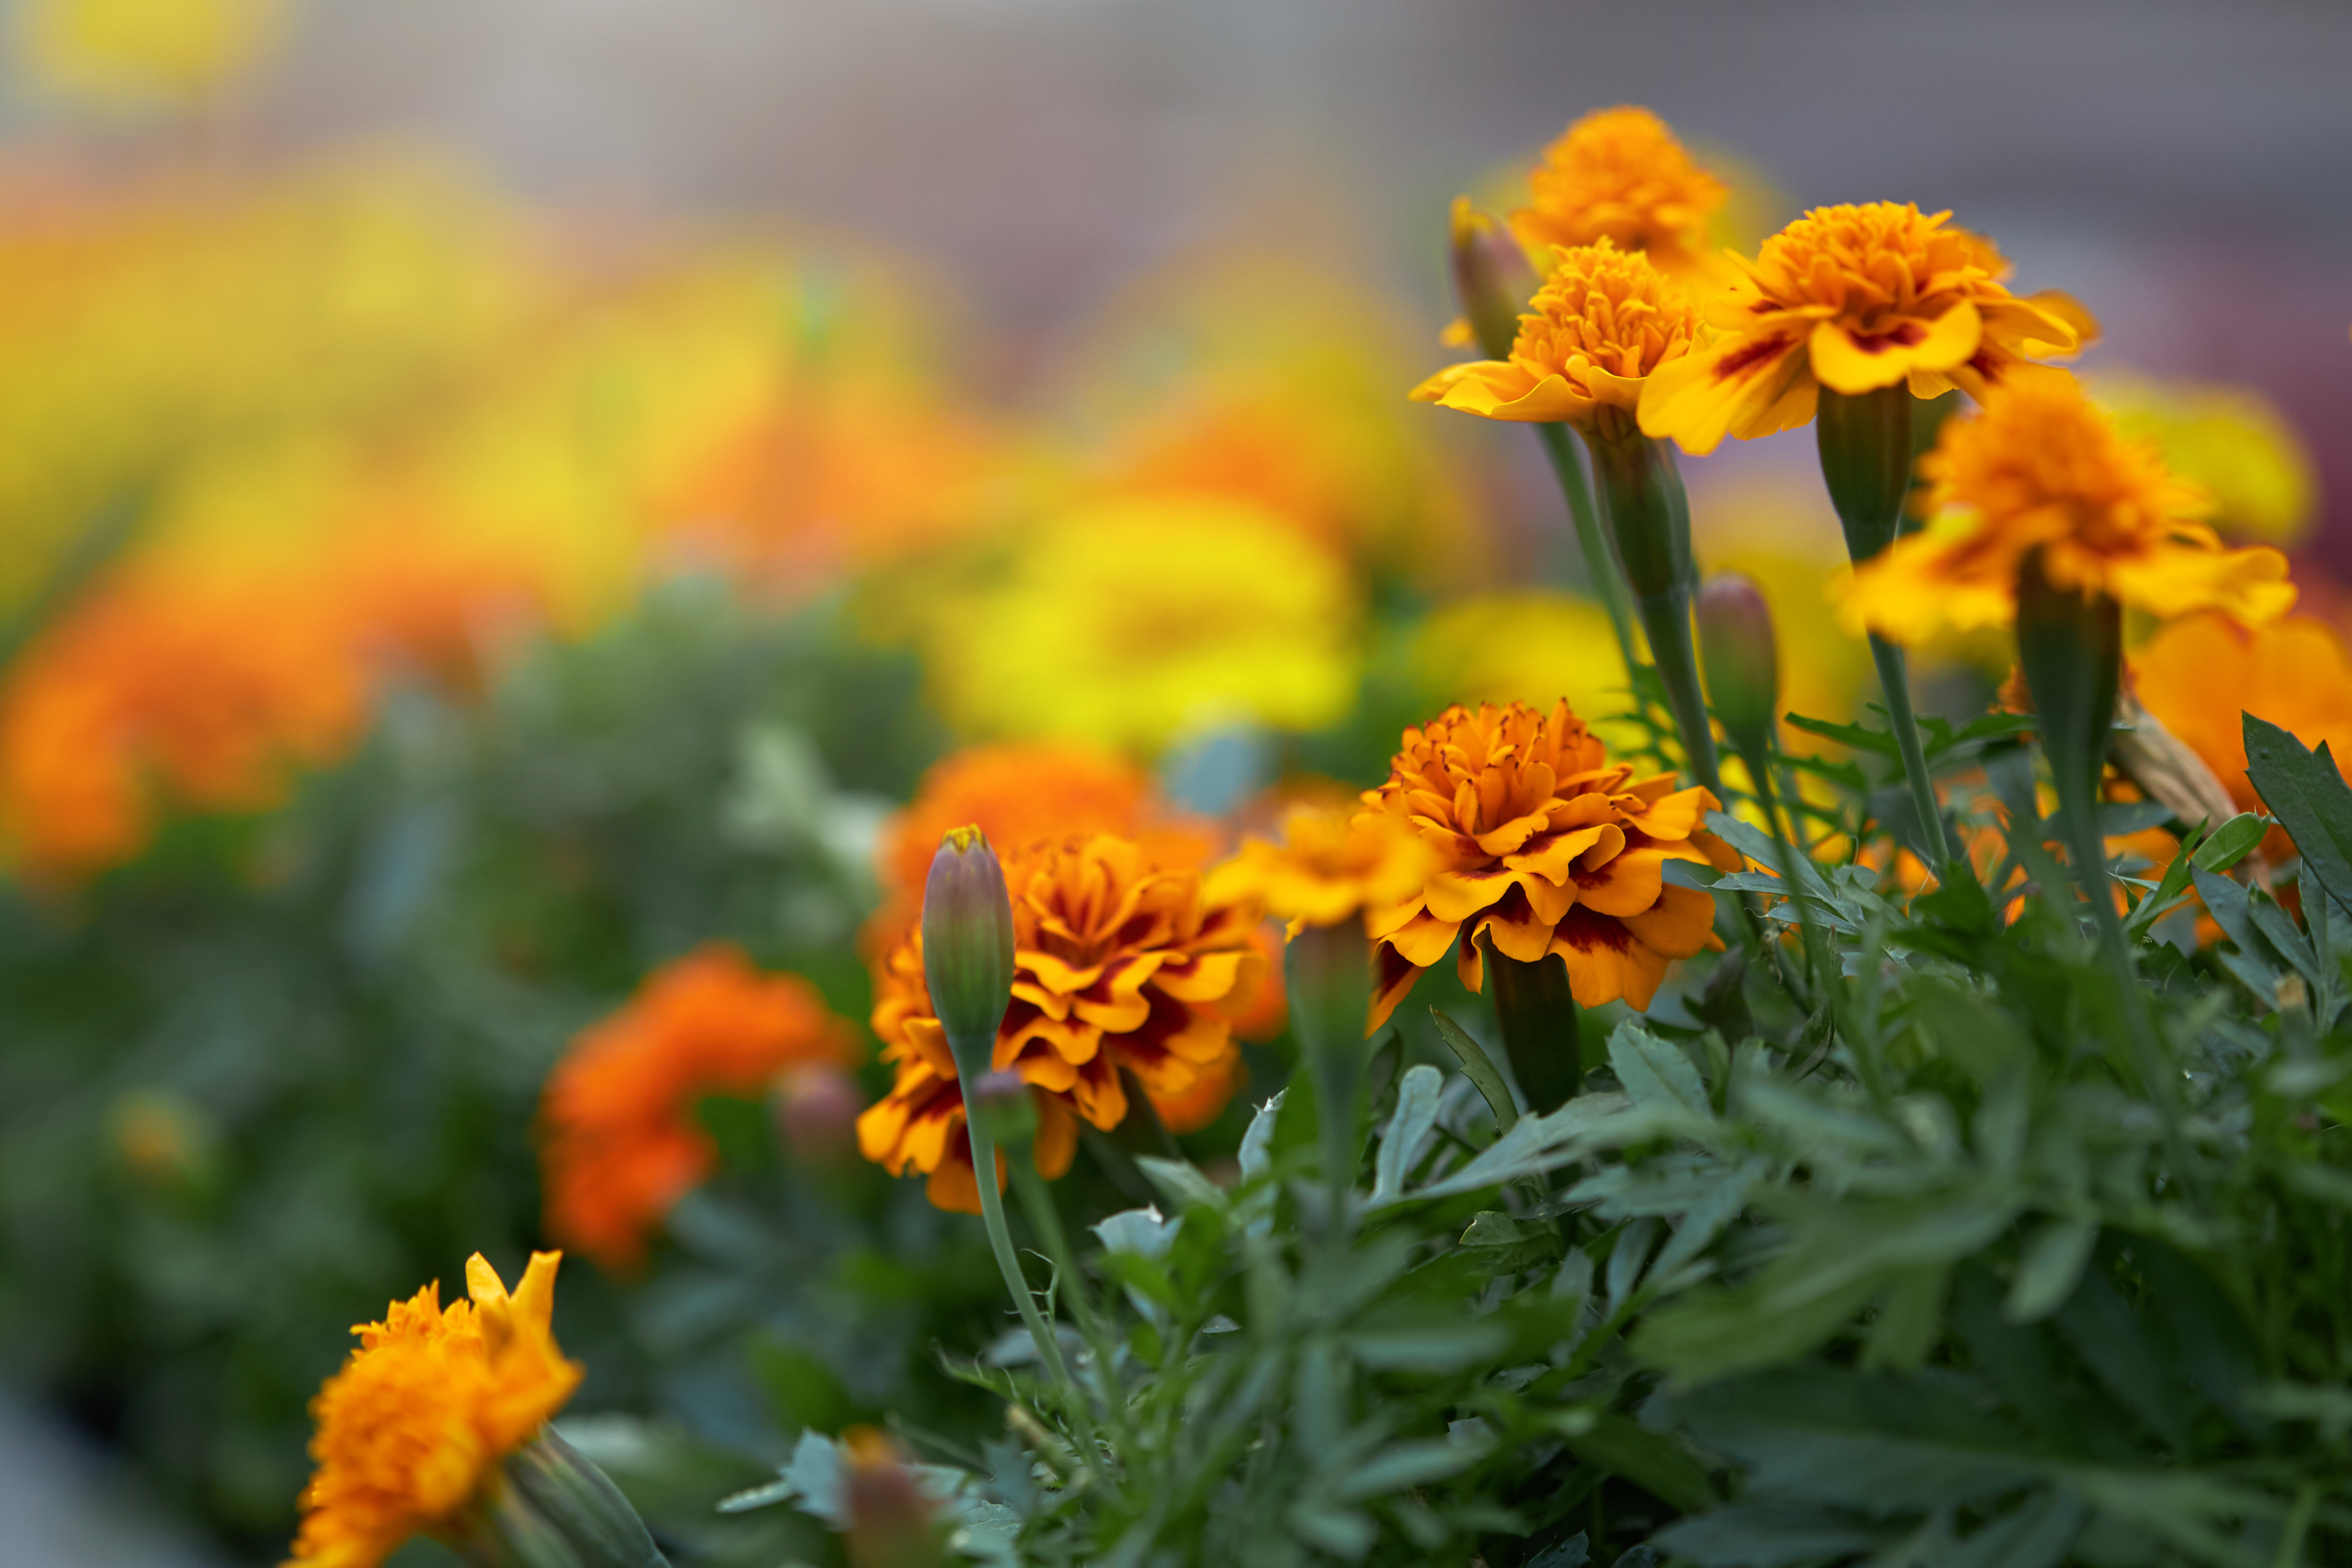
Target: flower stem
[[1536, 1012], [1894, 679], [1600, 564], [1008, 1263], [1037, 1203], [1330, 977], [1666, 617]]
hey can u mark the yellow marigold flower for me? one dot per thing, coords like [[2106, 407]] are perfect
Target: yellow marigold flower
[[142, 54], [1540, 841], [1527, 645], [1603, 321], [1328, 868], [411, 1431], [1619, 175], [1131, 622], [2043, 468], [1853, 298], [2231, 442], [1120, 963]]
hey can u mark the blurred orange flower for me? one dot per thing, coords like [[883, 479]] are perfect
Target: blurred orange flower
[[1619, 175], [618, 1140], [2041, 467], [2201, 674], [1120, 966], [411, 1430]]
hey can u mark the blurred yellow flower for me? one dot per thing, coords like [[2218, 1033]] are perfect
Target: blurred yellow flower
[[2041, 467], [1783, 535], [1619, 175], [1853, 298], [1329, 867], [134, 55], [1604, 320], [411, 1430], [2231, 442], [1534, 645], [1129, 623]]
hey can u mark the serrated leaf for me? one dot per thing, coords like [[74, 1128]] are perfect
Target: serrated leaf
[[1401, 1141], [1257, 1153], [2306, 791], [1480, 1069], [2232, 841], [1181, 1182], [1655, 1074]]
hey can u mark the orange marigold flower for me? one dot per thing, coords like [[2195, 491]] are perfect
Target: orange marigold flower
[[1604, 321], [1327, 868], [2042, 466], [2201, 674], [1540, 841], [1852, 298], [412, 1429], [1619, 175], [1190, 1110], [1120, 964], [619, 1141]]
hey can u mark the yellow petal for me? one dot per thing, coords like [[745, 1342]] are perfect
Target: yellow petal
[[1847, 361], [1698, 399]]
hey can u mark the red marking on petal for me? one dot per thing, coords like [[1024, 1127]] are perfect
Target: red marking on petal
[[1901, 335], [1746, 357], [1589, 932]]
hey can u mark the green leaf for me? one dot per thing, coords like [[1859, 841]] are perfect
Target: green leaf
[[1654, 1073], [2232, 842], [1416, 1109], [2049, 1268], [1480, 1069], [1654, 1462], [2306, 791], [1402, 1465]]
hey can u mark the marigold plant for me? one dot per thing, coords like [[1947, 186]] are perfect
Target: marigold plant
[[619, 1141], [1121, 967]]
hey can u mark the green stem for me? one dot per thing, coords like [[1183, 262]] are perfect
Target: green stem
[[1536, 1010], [1037, 1201], [1666, 617], [1819, 974], [1600, 563], [1894, 679], [1008, 1262]]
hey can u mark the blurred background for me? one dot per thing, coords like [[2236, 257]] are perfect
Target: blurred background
[[497, 493]]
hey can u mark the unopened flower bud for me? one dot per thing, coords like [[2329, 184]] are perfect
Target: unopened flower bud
[[968, 946], [1491, 278], [1741, 658], [816, 1108], [555, 1507], [891, 1523], [1000, 1104]]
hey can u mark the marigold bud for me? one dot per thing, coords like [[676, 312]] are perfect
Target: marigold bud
[[1741, 658], [816, 1111], [968, 946], [1865, 443], [1000, 1104], [1491, 278], [558, 1508], [891, 1523]]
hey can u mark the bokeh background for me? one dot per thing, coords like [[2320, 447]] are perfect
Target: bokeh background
[[498, 492]]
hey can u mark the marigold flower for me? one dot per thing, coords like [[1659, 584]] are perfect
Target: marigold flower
[[1120, 963], [1542, 842], [411, 1430], [1197, 1105], [1619, 175], [1603, 321], [619, 1141], [1327, 868], [1853, 298], [2231, 442], [144, 54], [2043, 468], [2201, 674]]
